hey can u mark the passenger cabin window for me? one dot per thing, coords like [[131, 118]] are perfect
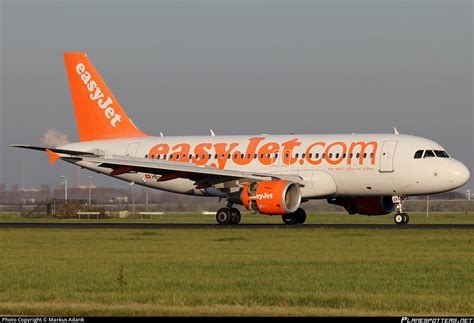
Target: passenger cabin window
[[418, 154], [441, 153], [429, 154]]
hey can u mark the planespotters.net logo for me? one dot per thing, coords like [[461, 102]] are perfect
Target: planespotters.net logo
[[97, 95], [437, 320]]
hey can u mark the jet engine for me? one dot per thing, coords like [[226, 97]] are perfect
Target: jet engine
[[366, 205], [269, 197]]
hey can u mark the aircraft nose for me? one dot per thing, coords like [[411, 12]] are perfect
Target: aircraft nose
[[459, 174]]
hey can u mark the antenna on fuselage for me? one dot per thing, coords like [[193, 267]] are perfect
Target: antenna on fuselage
[[396, 131], [212, 132], [161, 135]]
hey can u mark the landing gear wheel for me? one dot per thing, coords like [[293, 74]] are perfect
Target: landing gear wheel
[[235, 215], [289, 218], [406, 218], [224, 216], [399, 218], [300, 215]]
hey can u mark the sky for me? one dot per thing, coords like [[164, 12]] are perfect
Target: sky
[[238, 67]]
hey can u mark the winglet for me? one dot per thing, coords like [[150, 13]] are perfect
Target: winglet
[[52, 156]]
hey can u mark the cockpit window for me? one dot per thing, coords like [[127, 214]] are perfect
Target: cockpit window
[[441, 153], [429, 154], [418, 154]]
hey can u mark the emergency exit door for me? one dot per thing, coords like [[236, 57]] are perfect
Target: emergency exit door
[[132, 149]]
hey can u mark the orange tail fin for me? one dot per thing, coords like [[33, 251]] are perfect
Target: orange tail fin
[[98, 113]]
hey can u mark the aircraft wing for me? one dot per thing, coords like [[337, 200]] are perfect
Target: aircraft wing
[[56, 150], [204, 176]]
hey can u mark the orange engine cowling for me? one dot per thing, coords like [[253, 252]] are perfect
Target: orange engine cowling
[[271, 197]]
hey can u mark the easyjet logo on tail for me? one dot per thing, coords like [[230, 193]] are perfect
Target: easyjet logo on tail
[[97, 95]]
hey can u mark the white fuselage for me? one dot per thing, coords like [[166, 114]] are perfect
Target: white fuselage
[[330, 165]]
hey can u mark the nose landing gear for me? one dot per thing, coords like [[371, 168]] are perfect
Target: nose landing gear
[[400, 217]]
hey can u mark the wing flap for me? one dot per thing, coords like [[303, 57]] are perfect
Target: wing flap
[[171, 170]]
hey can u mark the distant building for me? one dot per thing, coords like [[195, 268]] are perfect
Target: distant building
[[119, 200]]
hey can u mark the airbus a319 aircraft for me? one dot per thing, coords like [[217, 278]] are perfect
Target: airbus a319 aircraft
[[370, 174]]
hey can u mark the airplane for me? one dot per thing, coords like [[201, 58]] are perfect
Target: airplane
[[368, 174]]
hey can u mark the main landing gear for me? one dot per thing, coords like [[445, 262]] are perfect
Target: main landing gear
[[400, 217], [228, 215], [299, 216]]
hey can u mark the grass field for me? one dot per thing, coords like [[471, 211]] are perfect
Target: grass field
[[239, 272]]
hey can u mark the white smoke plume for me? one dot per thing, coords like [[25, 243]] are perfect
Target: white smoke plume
[[54, 138]]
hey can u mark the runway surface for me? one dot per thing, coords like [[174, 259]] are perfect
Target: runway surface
[[20, 225]]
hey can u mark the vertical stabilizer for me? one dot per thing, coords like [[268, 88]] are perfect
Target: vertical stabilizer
[[98, 113]]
